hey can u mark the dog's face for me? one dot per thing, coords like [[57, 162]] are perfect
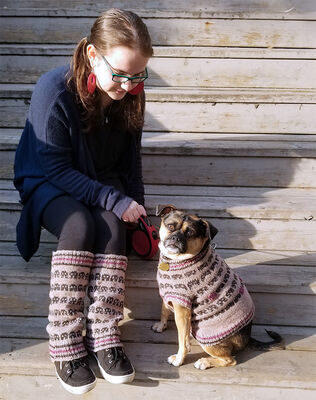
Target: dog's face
[[182, 235]]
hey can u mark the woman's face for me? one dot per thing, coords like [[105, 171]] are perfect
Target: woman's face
[[121, 60]]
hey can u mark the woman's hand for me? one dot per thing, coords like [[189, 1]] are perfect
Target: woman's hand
[[133, 212]]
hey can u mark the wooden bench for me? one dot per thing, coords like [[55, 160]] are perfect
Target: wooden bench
[[230, 135]]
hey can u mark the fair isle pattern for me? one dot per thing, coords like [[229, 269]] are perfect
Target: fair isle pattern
[[219, 300], [69, 279], [106, 292]]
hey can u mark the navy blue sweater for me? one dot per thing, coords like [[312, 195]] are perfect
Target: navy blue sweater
[[53, 159]]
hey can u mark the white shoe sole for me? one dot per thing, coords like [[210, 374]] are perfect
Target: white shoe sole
[[77, 389], [115, 379]]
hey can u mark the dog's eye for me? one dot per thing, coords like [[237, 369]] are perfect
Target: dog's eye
[[189, 232], [171, 227]]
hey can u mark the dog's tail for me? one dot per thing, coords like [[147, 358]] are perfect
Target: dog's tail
[[276, 344]]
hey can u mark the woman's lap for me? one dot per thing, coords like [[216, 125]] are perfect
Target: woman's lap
[[79, 227]]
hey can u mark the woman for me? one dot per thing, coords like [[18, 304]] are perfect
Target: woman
[[78, 171]]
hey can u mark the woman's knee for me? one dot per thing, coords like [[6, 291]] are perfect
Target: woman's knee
[[110, 233], [71, 222]]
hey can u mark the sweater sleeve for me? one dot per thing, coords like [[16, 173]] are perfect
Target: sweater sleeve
[[55, 154]]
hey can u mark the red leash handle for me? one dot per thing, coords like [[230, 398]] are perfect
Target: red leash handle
[[145, 238]]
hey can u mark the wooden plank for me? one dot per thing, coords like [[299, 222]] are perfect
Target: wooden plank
[[229, 171], [271, 308], [236, 9], [47, 49], [227, 118], [201, 117], [221, 206], [205, 144], [203, 72], [195, 95], [234, 233], [295, 338], [48, 388], [294, 369], [142, 274], [170, 32], [232, 256]]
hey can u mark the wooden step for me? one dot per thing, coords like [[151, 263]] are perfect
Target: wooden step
[[193, 95], [46, 387], [295, 338], [206, 144], [241, 118], [287, 299], [174, 31], [47, 49], [203, 72], [246, 218], [159, 8], [294, 204], [273, 370]]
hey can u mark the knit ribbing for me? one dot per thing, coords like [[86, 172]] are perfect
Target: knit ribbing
[[220, 302]]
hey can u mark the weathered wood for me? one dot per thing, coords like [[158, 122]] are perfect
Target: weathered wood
[[145, 303], [298, 279], [232, 256], [169, 51], [295, 369], [200, 191], [223, 205], [170, 32], [247, 118], [201, 117], [229, 171], [207, 144], [139, 331], [48, 388], [251, 9], [195, 95], [234, 233], [214, 171], [204, 72]]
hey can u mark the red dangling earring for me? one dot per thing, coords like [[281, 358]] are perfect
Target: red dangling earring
[[91, 83], [137, 89]]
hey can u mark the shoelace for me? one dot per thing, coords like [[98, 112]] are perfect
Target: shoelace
[[72, 365], [116, 353]]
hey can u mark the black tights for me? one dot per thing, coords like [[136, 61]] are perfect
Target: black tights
[[79, 227]]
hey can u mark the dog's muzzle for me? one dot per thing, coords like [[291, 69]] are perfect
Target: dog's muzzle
[[176, 243]]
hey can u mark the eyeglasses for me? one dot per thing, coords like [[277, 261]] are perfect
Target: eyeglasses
[[123, 78]]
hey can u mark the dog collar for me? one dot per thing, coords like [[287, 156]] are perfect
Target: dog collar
[[166, 264]]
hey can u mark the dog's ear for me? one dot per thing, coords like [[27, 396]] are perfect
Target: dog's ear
[[209, 230], [163, 209], [213, 230]]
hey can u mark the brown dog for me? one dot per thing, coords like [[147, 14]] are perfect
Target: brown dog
[[208, 299]]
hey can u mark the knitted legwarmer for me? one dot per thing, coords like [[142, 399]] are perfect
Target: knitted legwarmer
[[69, 279], [106, 292]]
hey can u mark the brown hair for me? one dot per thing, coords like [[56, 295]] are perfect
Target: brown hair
[[112, 28]]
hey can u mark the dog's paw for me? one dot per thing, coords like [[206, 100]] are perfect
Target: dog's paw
[[176, 360], [159, 327], [203, 363]]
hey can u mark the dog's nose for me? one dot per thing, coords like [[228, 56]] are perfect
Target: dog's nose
[[175, 239]]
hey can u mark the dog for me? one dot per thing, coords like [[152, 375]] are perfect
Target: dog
[[207, 297]]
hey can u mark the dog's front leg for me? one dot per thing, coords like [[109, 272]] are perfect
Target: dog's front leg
[[182, 317], [162, 324]]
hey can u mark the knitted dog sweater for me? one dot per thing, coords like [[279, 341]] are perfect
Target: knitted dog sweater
[[220, 302]]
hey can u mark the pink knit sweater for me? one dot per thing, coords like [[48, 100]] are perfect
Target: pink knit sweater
[[220, 302]]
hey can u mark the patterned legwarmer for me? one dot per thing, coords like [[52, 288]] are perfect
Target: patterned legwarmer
[[106, 292], [69, 279]]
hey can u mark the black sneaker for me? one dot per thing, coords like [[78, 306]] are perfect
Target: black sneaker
[[75, 376], [114, 365]]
